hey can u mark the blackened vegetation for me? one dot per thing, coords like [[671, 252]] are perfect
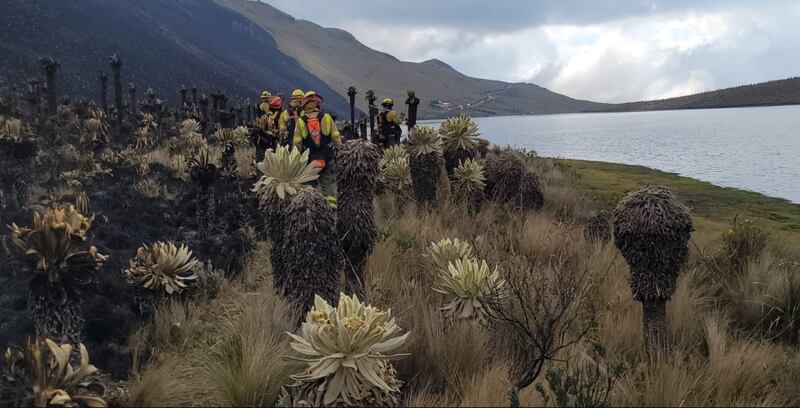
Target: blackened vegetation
[[214, 214], [652, 230], [452, 158], [16, 176], [530, 191], [425, 172], [355, 224], [50, 68], [274, 209], [510, 182], [54, 299], [220, 236], [540, 313], [598, 228], [312, 251], [116, 67]]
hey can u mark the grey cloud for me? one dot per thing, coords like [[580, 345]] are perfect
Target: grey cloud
[[491, 15], [759, 43]]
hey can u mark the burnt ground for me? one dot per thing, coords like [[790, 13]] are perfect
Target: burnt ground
[[125, 219]]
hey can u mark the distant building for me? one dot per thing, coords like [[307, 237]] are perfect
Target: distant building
[[441, 104]]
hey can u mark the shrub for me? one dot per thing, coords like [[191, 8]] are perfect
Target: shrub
[[396, 176], [588, 385], [285, 172], [469, 182], [651, 229], [744, 242], [345, 349], [467, 283], [163, 265], [598, 228], [355, 223], [447, 250], [509, 181], [460, 140], [58, 265], [41, 375], [425, 149]]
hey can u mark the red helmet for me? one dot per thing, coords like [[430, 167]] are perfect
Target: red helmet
[[275, 102]]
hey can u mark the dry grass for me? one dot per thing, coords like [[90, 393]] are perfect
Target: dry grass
[[486, 388], [151, 188], [228, 351], [222, 352], [171, 383], [245, 161], [245, 364], [160, 156], [731, 373]]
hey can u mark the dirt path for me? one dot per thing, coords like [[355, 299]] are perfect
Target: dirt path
[[489, 96]]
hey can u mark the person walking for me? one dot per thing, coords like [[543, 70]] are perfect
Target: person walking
[[389, 124], [317, 132], [413, 104], [262, 132], [275, 106], [288, 118]]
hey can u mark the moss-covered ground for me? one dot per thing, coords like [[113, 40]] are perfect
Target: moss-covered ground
[[713, 207]]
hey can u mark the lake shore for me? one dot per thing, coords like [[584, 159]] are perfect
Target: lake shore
[[613, 109], [714, 207]]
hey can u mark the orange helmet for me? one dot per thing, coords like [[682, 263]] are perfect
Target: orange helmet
[[275, 102]]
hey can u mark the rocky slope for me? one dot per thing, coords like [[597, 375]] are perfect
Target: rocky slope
[[340, 60], [163, 43]]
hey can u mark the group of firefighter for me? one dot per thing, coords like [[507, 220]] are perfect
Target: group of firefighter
[[305, 125]]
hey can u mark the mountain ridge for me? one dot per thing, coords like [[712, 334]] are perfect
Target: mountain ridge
[[243, 47], [163, 45], [341, 61], [769, 93]]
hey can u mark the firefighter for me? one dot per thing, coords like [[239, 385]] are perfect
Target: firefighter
[[288, 118], [389, 124], [275, 104], [262, 132], [317, 132]]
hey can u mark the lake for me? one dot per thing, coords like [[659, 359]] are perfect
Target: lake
[[755, 149]]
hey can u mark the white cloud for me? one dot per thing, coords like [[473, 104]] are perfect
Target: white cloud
[[410, 43], [634, 59]]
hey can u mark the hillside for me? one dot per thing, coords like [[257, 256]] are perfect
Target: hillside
[[780, 92], [163, 44], [244, 46], [340, 60]]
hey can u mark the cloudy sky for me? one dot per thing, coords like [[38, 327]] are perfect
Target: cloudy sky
[[602, 50]]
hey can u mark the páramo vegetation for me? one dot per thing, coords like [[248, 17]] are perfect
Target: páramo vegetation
[[229, 253]]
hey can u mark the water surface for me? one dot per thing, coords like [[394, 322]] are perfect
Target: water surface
[[755, 149]]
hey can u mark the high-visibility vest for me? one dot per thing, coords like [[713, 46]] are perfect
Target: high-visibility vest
[[316, 134]]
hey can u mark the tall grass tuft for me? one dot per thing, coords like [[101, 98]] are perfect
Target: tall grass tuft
[[744, 242], [244, 366]]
